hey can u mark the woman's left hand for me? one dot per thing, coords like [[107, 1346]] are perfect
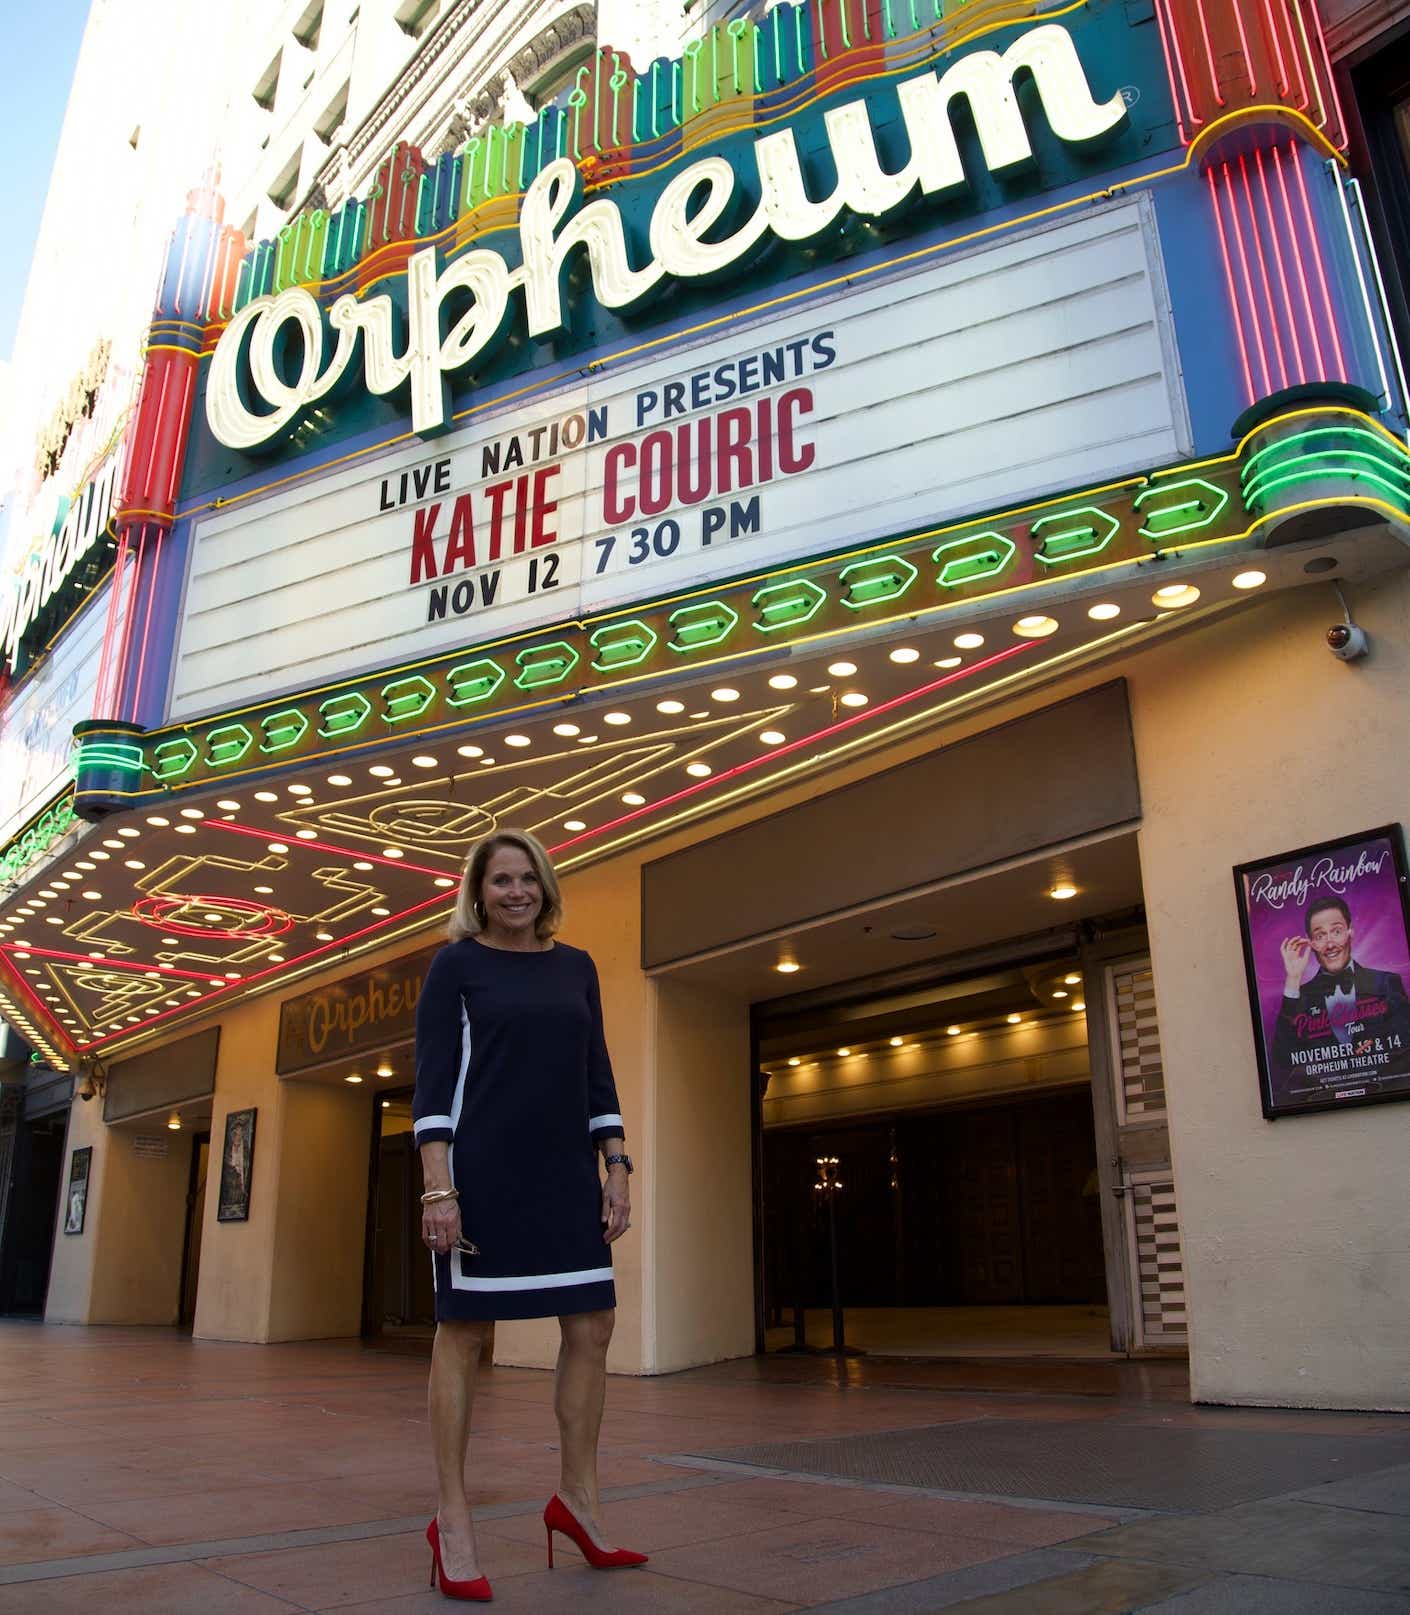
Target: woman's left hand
[[616, 1204]]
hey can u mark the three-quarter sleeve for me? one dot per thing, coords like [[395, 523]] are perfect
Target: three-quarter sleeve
[[604, 1111], [440, 1051]]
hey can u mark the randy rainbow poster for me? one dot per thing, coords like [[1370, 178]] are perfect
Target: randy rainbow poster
[[1327, 957]]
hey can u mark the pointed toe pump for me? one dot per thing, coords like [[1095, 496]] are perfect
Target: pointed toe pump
[[559, 1517], [469, 1592]]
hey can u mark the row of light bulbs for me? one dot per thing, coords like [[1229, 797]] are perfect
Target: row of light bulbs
[[847, 1052]]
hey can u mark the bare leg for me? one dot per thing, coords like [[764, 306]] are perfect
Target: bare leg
[[579, 1390], [455, 1366]]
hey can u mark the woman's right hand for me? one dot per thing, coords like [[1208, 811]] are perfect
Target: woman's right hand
[[440, 1225]]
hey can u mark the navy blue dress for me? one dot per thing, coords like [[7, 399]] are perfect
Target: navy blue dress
[[512, 1073]]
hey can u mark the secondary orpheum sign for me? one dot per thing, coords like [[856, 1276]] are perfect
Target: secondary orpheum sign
[[695, 231], [989, 377]]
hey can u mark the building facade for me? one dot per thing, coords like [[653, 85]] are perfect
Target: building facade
[[910, 504]]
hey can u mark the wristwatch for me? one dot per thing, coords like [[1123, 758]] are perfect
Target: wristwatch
[[619, 1160]]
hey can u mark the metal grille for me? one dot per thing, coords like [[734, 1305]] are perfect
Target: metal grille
[[1159, 1264], [1141, 1082]]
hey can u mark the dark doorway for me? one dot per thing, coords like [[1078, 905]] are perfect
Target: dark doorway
[[195, 1222], [399, 1296], [28, 1248], [988, 1206]]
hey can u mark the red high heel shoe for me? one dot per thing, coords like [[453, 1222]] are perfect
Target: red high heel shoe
[[471, 1592], [558, 1517]]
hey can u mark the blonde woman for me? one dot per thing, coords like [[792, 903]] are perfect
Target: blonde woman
[[514, 1101]]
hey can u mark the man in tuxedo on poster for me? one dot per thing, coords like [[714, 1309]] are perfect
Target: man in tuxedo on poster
[[1349, 1022]]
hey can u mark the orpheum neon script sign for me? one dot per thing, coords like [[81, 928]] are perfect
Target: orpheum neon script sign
[[683, 236]]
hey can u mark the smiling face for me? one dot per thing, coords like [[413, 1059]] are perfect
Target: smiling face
[[1329, 931], [511, 893]]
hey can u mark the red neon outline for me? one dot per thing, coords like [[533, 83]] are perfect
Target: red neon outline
[[106, 962], [1243, 40], [1248, 282], [1284, 83], [1297, 257], [1170, 76], [292, 841], [797, 745], [1296, 54], [273, 970], [1229, 278], [104, 667], [1321, 266], [1209, 55], [1282, 267], [1180, 63], [149, 910], [147, 621], [1257, 235]]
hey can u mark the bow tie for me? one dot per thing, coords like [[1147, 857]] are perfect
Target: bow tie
[[1344, 981]]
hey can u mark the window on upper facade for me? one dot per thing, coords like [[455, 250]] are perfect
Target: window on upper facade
[[330, 120], [267, 88], [310, 24], [281, 193], [1382, 86], [414, 17]]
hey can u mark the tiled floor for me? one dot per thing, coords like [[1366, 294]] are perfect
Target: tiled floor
[[143, 1472]]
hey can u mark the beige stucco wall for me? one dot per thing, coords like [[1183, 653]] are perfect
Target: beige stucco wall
[[75, 1255], [1252, 740]]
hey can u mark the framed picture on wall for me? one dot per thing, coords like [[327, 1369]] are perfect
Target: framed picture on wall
[[1326, 935], [76, 1202], [237, 1160]]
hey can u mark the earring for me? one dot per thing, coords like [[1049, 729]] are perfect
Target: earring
[[479, 909]]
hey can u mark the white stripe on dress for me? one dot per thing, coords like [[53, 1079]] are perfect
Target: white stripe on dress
[[428, 1122], [594, 1122], [535, 1281]]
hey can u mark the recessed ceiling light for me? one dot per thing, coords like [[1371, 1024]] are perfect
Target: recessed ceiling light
[[277, 846], [232, 975], [216, 981], [82, 864], [265, 796], [1035, 627], [841, 670], [517, 740], [35, 903], [93, 897], [1059, 992], [444, 880], [783, 681], [616, 718], [1175, 595], [52, 919], [391, 852], [904, 655], [670, 708], [968, 641], [633, 798], [213, 919], [844, 1052], [794, 1060], [264, 891], [181, 830], [226, 805], [1077, 1004], [156, 821], [134, 863], [470, 751], [574, 825], [352, 1077], [952, 1031], [700, 770], [853, 698], [381, 771], [1071, 981], [322, 936], [567, 730], [788, 967], [114, 843], [1103, 611], [724, 694], [1014, 1020], [300, 790], [129, 832], [384, 1069], [192, 813], [772, 737], [1250, 580], [896, 1042], [381, 913], [340, 779], [306, 835], [363, 865], [1062, 891]]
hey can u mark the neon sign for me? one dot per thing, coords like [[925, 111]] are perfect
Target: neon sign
[[250, 359]]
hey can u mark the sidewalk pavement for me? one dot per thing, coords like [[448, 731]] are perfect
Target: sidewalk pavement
[[143, 1472]]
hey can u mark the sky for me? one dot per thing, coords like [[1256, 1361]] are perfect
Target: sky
[[40, 43]]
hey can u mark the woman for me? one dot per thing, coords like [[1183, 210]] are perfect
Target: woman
[[514, 1098]]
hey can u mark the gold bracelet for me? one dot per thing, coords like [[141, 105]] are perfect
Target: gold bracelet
[[434, 1196]]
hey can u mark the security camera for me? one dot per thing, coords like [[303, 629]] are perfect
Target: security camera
[[1347, 642], [85, 1087]]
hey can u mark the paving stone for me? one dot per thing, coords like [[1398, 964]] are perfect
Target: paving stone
[[1258, 1595]]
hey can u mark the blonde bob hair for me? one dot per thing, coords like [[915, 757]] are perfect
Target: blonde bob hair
[[469, 916]]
